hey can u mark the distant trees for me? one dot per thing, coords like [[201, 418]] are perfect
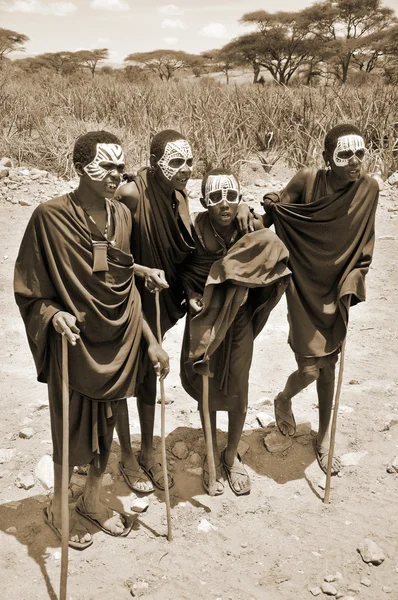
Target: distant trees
[[91, 58], [164, 63], [11, 41]]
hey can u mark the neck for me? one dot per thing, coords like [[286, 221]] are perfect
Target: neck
[[224, 231], [88, 199], [336, 183], [167, 188]]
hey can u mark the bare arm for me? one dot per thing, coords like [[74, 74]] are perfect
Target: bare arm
[[158, 357], [128, 194]]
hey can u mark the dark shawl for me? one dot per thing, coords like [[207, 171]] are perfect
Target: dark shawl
[[161, 238], [54, 271], [257, 261], [330, 238]]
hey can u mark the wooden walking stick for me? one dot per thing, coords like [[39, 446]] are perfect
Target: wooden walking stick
[[65, 470], [163, 427], [334, 424], [208, 435]]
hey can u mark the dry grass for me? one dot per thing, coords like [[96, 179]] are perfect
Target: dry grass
[[41, 115]]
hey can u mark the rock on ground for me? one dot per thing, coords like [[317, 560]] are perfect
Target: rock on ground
[[44, 472], [180, 450], [371, 552], [276, 442]]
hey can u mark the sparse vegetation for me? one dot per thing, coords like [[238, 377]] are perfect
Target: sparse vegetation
[[42, 113]]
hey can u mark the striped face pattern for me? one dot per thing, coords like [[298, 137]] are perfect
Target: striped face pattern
[[221, 187], [347, 146], [110, 155], [176, 155]]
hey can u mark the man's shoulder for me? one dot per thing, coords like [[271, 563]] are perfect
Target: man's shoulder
[[129, 195], [53, 206]]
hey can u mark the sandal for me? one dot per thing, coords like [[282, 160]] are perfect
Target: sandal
[[284, 417], [323, 457], [74, 525], [134, 476], [219, 477], [234, 473], [94, 517], [154, 470]]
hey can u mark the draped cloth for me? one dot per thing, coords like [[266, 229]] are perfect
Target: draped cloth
[[218, 342], [161, 238], [53, 272], [330, 237]]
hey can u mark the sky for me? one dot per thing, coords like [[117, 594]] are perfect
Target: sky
[[126, 26]]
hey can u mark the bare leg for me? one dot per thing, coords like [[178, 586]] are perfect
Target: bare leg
[[147, 458], [325, 389], [216, 451], [239, 477], [55, 509], [110, 520], [131, 468], [296, 382]]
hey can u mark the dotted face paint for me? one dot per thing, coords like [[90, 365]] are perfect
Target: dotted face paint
[[347, 146], [221, 187], [106, 153], [176, 155]]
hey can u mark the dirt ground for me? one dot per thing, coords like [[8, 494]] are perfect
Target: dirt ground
[[279, 542]]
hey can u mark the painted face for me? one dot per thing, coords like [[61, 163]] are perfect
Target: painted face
[[176, 155], [221, 187], [107, 158], [348, 146]]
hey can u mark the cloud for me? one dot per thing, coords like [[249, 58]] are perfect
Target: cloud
[[170, 41], [57, 9], [103, 40], [173, 24], [109, 5], [214, 30], [170, 10]]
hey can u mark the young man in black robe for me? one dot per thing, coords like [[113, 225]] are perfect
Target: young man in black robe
[[74, 276]]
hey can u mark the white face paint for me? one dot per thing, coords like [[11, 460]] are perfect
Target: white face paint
[[347, 146], [221, 187], [111, 154], [175, 153]]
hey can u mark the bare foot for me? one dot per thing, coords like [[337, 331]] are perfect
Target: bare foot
[[134, 476], [78, 532], [322, 455], [284, 415]]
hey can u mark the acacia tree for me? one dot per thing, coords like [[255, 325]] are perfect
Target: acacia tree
[[60, 62], [247, 49], [11, 41], [91, 58], [165, 63], [349, 29], [285, 44], [221, 59]]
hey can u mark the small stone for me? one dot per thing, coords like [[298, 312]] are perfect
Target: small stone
[[386, 589], [328, 589], [24, 481], [353, 382], [195, 470], [138, 588], [44, 472], [393, 179], [334, 577], [180, 450], [303, 428], [371, 552], [139, 505], [315, 591], [276, 442], [6, 454], [205, 526], [265, 419], [107, 480], [25, 202], [3, 172], [393, 466], [6, 162], [354, 587], [243, 447], [352, 459], [195, 460], [12, 530], [57, 555], [345, 409], [27, 433], [366, 582], [260, 183]]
